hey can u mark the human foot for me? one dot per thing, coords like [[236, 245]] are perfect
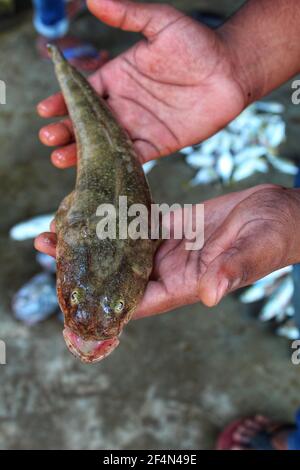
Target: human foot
[[255, 433]]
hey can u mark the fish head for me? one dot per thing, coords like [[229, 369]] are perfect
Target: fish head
[[91, 312], [92, 327], [97, 307]]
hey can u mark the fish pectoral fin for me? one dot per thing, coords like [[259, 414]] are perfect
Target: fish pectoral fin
[[63, 209]]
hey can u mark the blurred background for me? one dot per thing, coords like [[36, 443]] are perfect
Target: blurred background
[[176, 379]]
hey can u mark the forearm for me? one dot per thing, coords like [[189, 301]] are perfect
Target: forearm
[[264, 41]]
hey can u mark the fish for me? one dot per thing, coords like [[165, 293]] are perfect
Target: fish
[[100, 281], [278, 301], [273, 134], [254, 135], [283, 164], [254, 293], [225, 165], [198, 160], [288, 330], [31, 228], [147, 167], [187, 150], [269, 107], [250, 153], [264, 287], [205, 176], [244, 170], [47, 262], [36, 300]]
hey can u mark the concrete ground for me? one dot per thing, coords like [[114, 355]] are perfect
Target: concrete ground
[[175, 380]]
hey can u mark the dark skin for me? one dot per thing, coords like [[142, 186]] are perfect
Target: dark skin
[[235, 235], [166, 91], [154, 97]]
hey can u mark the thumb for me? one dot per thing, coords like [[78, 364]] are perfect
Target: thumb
[[156, 300], [248, 259], [148, 19]]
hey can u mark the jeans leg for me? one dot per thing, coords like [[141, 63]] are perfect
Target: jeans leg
[[50, 19], [294, 437]]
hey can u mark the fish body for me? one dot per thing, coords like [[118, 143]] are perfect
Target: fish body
[[31, 228], [99, 281], [36, 300], [278, 301], [264, 287], [46, 262]]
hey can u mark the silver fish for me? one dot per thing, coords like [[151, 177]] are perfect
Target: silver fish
[[204, 176], [274, 132], [278, 301], [288, 330], [224, 166], [269, 107], [198, 160], [282, 164], [248, 168], [250, 153], [36, 300], [147, 167], [47, 262], [264, 287], [31, 228]]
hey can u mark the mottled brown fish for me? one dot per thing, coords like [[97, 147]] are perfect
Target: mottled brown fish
[[99, 281]]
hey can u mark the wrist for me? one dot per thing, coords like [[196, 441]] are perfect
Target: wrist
[[247, 67], [263, 43]]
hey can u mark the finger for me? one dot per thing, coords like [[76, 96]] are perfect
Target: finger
[[64, 157], [46, 243], [156, 300], [144, 18], [52, 106], [58, 133], [248, 259], [145, 151]]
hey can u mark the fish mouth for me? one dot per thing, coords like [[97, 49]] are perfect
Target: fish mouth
[[89, 351]]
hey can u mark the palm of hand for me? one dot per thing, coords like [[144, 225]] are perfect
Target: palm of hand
[[165, 90]]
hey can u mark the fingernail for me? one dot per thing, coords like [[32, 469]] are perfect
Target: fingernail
[[59, 156], [47, 135], [235, 284], [222, 289], [41, 108]]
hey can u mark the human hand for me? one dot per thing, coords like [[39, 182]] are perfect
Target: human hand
[[174, 88], [248, 234]]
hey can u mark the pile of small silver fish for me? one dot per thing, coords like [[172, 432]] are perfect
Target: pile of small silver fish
[[36, 300], [276, 291], [249, 144]]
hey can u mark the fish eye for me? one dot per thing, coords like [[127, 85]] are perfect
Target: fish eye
[[119, 306], [75, 296]]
